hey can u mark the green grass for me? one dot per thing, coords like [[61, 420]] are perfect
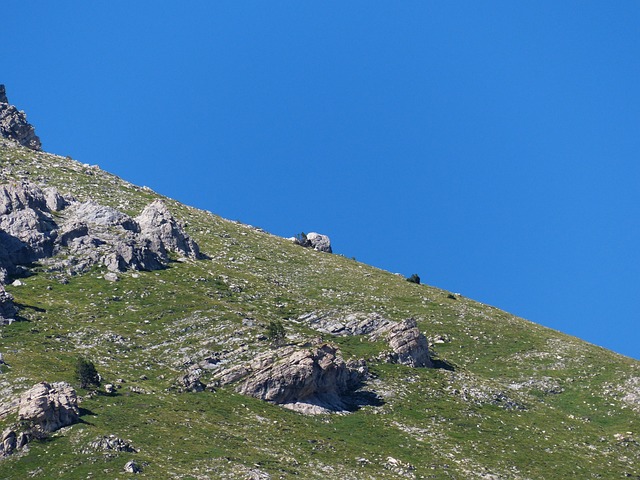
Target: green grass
[[443, 424]]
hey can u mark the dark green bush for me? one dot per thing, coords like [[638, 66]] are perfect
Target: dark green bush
[[275, 332], [414, 279], [86, 373]]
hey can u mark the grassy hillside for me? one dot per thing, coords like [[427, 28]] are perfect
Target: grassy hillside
[[522, 401]]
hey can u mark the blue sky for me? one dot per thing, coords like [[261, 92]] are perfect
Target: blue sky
[[491, 147]]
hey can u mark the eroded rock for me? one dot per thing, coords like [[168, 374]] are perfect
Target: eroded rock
[[344, 325], [112, 443], [310, 380], [49, 407], [165, 233], [87, 233], [408, 345], [319, 242], [132, 467], [314, 240], [14, 125]]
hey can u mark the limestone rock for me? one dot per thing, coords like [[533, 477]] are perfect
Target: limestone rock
[[409, 346], [311, 380], [132, 467], [87, 233], [93, 213], [112, 443], [314, 240], [49, 407], [164, 232], [358, 323], [14, 125], [190, 382], [9, 441], [319, 242]]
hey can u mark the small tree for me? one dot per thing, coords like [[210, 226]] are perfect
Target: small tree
[[301, 239], [275, 332], [414, 279], [86, 373]]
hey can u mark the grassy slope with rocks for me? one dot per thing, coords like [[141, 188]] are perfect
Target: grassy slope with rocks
[[523, 401]]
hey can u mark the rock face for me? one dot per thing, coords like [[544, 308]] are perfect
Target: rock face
[[49, 407], [314, 240], [319, 242], [14, 125], [409, 346], [310, 380], [86, 232], [163, 231]]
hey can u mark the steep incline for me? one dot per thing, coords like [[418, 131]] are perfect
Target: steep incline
[[507, 398]]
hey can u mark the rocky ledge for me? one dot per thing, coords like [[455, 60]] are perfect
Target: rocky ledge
[[408, 345], [309, 380], [14, 125], [37, 224]]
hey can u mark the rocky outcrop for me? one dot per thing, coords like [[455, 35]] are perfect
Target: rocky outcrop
[[408, 345], [14, 125], [8, 310], [87, 233], [112, 443], [190, 381], [314, 240], [309, 380], [164, 232], [345, 325], [319, 242], [11, 441], [132, 467], [49, 407]]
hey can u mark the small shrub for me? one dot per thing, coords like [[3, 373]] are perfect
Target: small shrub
[[414, 279], [86, 373], [301, 239], [275, 332]]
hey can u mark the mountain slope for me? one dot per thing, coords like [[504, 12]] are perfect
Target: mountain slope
[[515, 400]]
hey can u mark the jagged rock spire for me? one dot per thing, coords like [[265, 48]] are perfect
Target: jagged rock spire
[[14, 125]]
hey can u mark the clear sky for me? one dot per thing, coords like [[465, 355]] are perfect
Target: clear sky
[[491, 147]]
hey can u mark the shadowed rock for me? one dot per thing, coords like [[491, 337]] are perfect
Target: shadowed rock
[[309, 380], [49, 407]]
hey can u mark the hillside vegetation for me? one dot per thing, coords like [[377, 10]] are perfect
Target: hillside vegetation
[[508, 399]]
